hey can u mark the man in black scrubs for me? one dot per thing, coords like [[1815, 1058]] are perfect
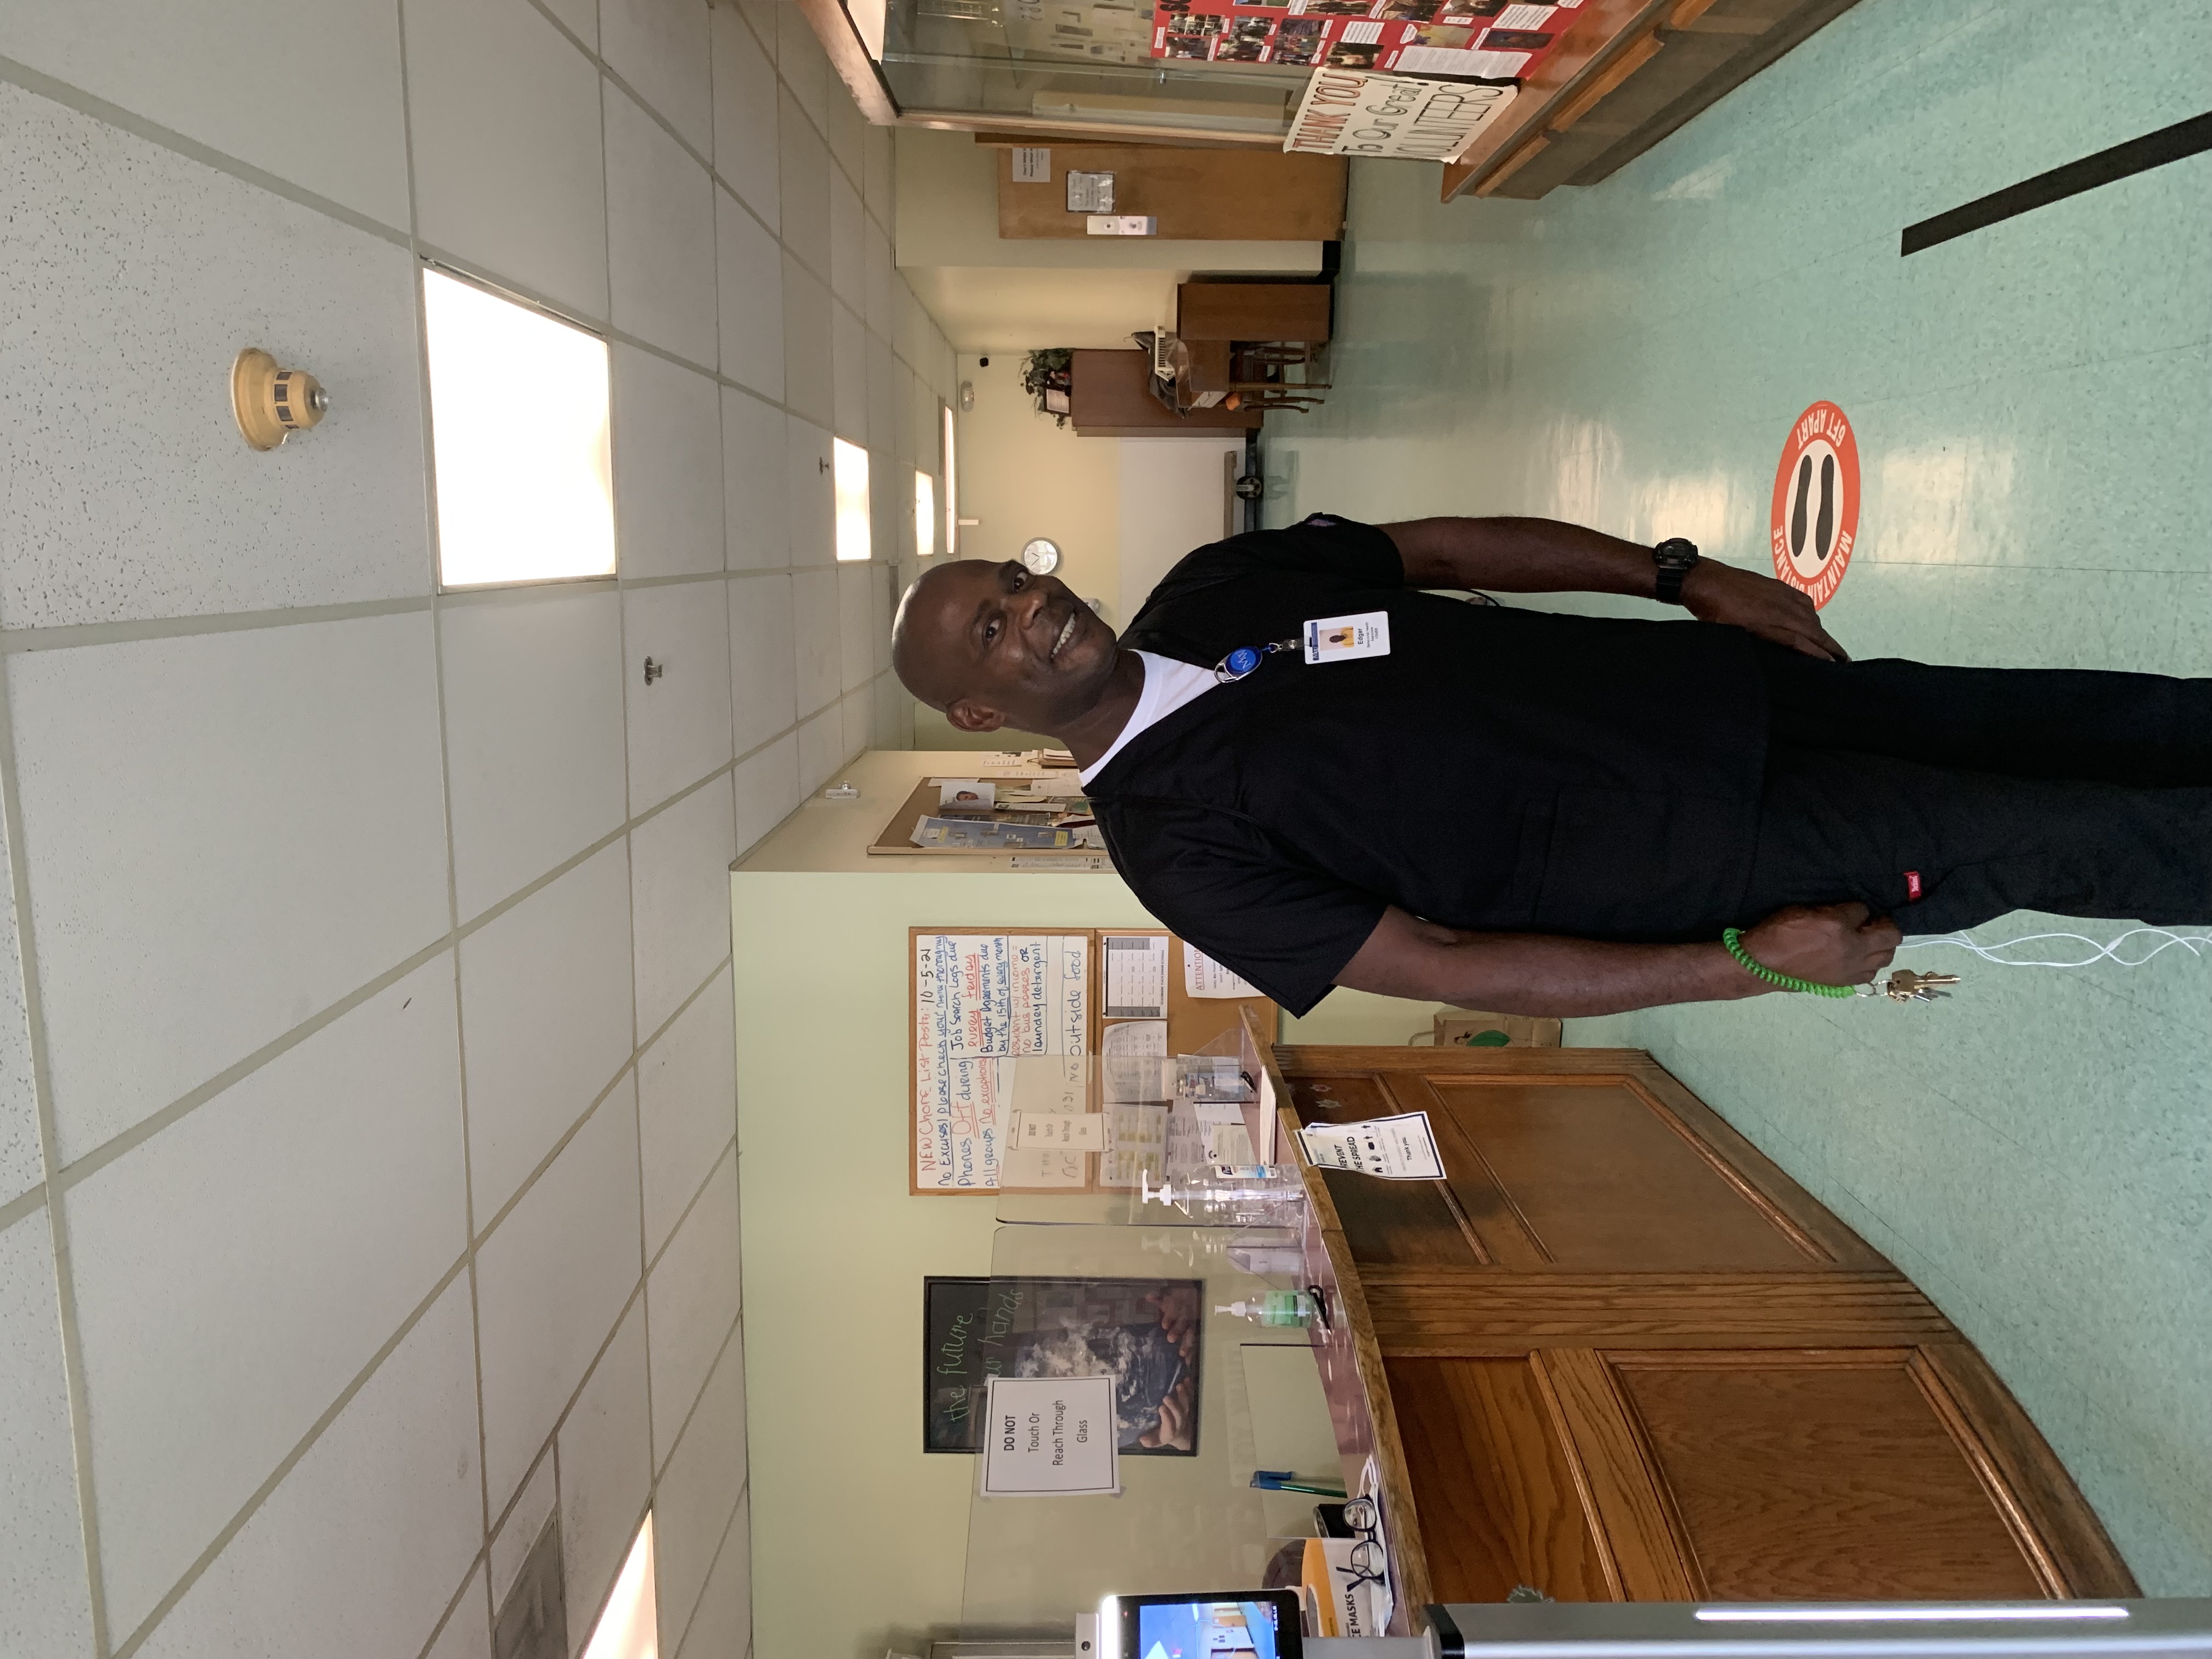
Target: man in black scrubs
[[1531, 812]]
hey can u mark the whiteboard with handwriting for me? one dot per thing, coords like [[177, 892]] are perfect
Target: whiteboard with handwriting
[[981, 1002]]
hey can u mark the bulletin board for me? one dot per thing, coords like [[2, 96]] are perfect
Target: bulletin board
[[1491, 39], [1004, 1018]]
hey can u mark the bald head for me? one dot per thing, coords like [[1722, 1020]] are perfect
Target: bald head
[[992, 645], [911, 659]]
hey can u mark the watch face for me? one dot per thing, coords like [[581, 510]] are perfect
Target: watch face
[[1675, 553], [1040, 557]]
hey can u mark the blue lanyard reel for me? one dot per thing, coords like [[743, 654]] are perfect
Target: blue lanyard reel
[[1245, 658]]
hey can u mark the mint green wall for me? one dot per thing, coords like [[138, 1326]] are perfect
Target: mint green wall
[[858, 1539]]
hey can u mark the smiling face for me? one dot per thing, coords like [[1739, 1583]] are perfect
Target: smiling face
[[993, 645]]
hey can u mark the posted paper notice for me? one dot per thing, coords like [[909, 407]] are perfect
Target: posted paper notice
[[1202, 976], [1050, 1436], [1401, 1148]]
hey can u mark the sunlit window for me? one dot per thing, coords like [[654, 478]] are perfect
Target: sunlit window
[[628, 1628], [851, 472], [519, 434], [951, 488], [925, 515]]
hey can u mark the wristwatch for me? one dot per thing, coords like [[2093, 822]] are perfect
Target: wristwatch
[[1675, 557]]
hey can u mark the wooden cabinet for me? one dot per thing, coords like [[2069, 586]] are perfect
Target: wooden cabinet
[[1628, 1358], [1629, 73], [1223, 311]]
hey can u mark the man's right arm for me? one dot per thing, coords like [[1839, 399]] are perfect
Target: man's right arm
[[1546, 974]]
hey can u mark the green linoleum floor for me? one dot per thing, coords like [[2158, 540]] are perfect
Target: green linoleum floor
[[2033, 406]]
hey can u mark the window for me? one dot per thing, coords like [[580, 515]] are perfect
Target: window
[[519, 440], [851, 472], [925, 515], [629, 1629], [951, 488]]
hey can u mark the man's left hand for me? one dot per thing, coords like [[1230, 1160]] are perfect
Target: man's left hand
[[1774, 611]]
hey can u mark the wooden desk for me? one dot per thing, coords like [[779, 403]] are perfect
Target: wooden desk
[[1108, 397], [1616, 1354]]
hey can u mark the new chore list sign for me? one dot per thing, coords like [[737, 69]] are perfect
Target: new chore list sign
[[1049, 1437], [1000, 1019]]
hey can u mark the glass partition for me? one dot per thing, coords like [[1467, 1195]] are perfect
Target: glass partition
[[1227, 1334], [1172, 1122], [1075, 66], [1151, 1302]]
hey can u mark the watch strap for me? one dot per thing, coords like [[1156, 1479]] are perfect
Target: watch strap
[[1675, 558]]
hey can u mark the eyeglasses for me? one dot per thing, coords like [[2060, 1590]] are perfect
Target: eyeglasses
[[1367, 1560]]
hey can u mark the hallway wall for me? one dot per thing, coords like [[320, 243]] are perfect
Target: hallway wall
[[368, 1136]]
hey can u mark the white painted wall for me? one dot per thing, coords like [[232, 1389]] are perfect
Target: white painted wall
[[1171, 502], [367, 1132]]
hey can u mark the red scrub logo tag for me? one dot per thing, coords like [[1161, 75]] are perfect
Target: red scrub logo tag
[[1816, 502]]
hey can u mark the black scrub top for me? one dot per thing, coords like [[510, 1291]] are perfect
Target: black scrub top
[[1501, 769]]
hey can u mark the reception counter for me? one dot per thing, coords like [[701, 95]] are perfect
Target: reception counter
[[1616, 1354]]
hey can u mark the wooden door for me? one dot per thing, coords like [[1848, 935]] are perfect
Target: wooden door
[[1204, 194], [1628, 1358]]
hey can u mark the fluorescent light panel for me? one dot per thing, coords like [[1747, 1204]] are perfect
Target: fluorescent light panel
[[925, 515], [850, 471], [519, 437], [630, 1628], [951, 488]]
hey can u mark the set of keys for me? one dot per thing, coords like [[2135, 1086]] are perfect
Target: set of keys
[[1907, 986]]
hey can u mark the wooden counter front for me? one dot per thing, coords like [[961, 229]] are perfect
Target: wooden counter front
[[1617, 1354]]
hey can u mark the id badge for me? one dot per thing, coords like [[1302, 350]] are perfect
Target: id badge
[[1339, 639]]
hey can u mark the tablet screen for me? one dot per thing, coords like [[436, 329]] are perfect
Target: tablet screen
[[1203, 1629]]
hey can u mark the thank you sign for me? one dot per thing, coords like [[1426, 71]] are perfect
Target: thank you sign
[[1361, 112], [1050, 1436]]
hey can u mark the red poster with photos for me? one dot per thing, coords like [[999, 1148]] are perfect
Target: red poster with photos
[[1490, 38]]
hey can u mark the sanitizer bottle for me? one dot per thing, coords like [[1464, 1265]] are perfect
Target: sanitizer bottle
[[1274, 1308]]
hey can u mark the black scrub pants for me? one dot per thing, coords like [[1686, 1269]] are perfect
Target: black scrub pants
[[2080, 792]]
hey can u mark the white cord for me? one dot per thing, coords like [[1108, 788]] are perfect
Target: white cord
[[2195, 944]]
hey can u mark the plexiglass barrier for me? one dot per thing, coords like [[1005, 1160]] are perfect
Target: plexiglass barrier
[[1075, 64]]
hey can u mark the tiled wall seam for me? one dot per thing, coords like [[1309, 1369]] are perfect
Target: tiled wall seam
[[676, 1450], [91, 1162], [61, 92], [76, 98], [107, 1151], [446, 803], [744, 1493], [60, 1179], [481, 1558], [713, 1165], [465, 1263], [216, 1546], [75, 636], [769, 54], [18, 877]]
